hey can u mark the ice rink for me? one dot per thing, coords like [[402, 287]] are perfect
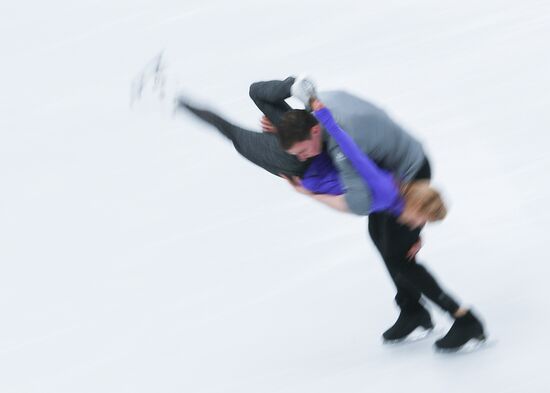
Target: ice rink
[[139, 253]]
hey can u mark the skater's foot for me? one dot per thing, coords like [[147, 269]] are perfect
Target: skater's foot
[[206, 115], [465, 328], [409, 320]]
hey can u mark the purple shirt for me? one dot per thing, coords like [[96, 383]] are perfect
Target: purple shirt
[[322, 177]]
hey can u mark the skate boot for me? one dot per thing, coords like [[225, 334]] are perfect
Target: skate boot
[[464, 329], [409, 320]]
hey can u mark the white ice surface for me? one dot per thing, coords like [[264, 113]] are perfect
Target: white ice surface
[[140, 253]]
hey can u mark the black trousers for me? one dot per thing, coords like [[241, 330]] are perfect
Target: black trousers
[[260, 148], [394, 240]]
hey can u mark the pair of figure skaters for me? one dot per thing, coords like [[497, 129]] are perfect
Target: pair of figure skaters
[[350, 155]]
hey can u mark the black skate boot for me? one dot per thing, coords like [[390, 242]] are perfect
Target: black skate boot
[[464, 329], [409, 319]]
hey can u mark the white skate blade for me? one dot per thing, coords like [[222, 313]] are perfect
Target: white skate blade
[[150, 81], [473, 345], [417, 334]]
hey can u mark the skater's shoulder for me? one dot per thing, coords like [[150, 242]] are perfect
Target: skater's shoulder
[[346, 103], [334, 96]]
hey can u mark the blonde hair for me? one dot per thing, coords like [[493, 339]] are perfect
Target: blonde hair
[[424, 200]]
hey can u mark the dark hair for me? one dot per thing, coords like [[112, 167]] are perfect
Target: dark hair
[[295, 127]]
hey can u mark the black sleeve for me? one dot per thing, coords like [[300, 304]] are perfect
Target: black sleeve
[[269, 97]]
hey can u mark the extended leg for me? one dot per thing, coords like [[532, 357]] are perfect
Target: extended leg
[[395, 242], [260, 148], [270, 96], [407, 295]]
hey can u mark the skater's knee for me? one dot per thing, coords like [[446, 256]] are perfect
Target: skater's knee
[[402, 266], [253, 91], [394, 264], [238, 147]]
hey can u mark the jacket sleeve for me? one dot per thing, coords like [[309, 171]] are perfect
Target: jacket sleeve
[[383, 190], [357, 193], [270, 96]]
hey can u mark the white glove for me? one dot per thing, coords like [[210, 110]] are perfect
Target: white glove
[[303, 89]]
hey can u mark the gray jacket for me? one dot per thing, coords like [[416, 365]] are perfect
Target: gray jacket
[[384, 141]]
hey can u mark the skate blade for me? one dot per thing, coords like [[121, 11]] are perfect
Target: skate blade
[[417, 334], [150, 81], [473, 345]]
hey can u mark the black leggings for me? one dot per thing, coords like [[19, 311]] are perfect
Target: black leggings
[[394, 240], [260, 148]]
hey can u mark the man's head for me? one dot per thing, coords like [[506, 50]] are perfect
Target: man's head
[[300, 134]]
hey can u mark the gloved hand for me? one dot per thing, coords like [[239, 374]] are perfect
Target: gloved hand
[[303, 89]]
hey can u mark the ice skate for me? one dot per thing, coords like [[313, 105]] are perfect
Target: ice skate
[[412, 324], [465, 331]]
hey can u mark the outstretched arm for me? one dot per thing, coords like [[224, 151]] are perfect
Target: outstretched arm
[[337, 202]]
